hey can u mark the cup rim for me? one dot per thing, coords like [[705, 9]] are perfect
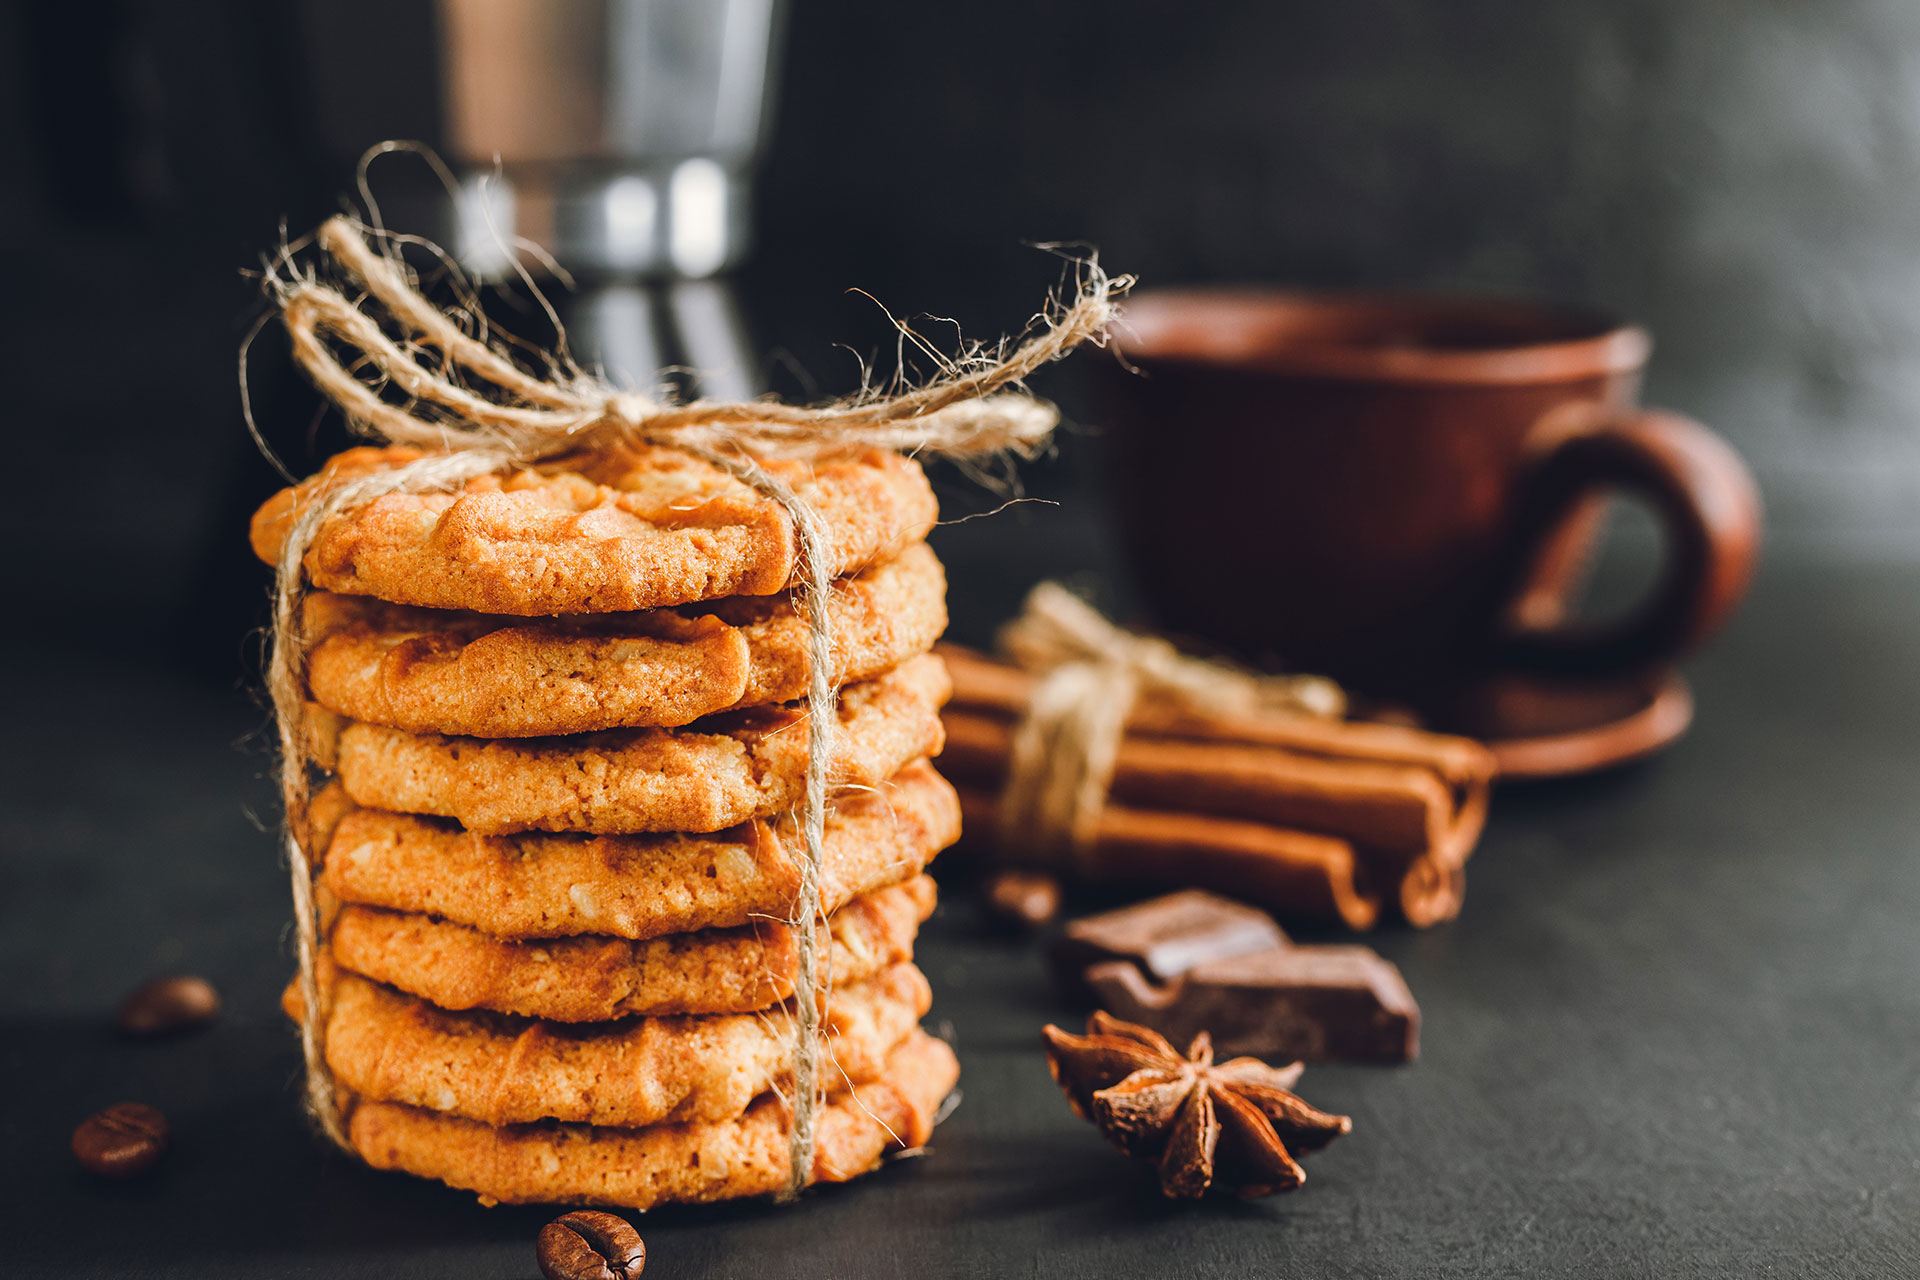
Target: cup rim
[[1248, 324]]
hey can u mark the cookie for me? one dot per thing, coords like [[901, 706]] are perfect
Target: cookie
[[640, 1168], [882, 616], [393, 1047], [604, 532], [637, 887], [440, 671], [596, 979], [712, 774]]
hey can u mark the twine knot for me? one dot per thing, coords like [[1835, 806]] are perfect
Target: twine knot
[[630, 410]]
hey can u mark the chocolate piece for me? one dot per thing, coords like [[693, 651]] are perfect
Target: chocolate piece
[[1167, 936], [1311, 1003]]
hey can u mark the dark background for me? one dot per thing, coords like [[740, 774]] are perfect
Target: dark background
[[1673, 1032], [1740, 175]]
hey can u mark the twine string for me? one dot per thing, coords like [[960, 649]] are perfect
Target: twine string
[[968, 411], [1092, 677], [976, 408]]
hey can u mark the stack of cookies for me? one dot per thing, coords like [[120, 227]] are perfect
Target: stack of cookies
[[562, 710]]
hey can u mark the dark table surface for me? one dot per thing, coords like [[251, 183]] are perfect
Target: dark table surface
[[1676, 1030]]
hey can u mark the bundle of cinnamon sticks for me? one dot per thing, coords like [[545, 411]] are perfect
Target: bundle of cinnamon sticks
[[1311, 818]]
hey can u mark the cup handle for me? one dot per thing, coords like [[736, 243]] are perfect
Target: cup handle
[[1709, 510]]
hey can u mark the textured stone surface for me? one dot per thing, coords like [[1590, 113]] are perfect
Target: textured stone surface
[[1672, 1031]]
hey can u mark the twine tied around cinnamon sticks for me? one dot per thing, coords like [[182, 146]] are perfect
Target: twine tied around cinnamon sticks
[[1228, 787], [404, 372], [1093, 675]]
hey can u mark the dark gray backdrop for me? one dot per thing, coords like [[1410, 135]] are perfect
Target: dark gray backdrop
[[1739, 174], [1673, 1033]]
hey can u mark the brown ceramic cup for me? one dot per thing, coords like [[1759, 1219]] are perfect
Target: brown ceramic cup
[[1401, 492]]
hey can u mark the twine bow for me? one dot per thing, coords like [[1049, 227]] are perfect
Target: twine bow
[[1094, 675], [408, 378]]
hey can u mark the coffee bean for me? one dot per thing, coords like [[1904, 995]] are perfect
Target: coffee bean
[[590, 1245], [1029, 899], [169, 1006], [125, 1139]]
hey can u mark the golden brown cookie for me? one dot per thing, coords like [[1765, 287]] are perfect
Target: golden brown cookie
[[605, 532], [442, 671], [594, 979], [393, 1047], [711, 774], [640, 1168], [542, 886]]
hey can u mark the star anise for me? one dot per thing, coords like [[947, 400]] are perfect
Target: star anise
[[1235, 1125]]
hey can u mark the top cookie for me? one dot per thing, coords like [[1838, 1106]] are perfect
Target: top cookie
[[635, 528]]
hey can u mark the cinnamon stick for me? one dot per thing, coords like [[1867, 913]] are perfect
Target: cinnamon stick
[[982, 684], [1400, 811], [1292, 873], [1406, 806]]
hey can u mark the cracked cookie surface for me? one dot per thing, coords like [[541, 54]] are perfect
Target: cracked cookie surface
[[711, 774], [640, 1168], [386, 1045], [637, 527], [635, 887], [483, 675], [594, 979]]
